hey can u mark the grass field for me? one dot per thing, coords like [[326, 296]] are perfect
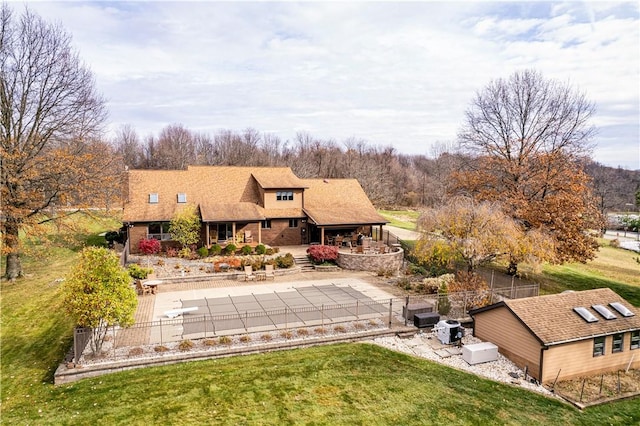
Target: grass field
[[405, 219], [340, 384]]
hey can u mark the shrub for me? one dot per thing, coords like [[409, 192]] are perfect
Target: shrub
[[246, 250], [444, 305], [209, 342], [245, 338], [161, 349], [185, 253], [614, 243], [266, 337], [230, 249], [340, 329], [149, 246], [261, 249], [138, 272], [136, 351], [319, 330], [270, 251], [226, 340], [215, 250], [320, 254], [286, 334], [474, 283], [359, 326], [302, 332], [172, 252], [286, 261], [203, 252], [185, 345]]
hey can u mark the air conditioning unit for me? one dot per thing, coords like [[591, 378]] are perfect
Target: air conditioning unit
[[449, 331]]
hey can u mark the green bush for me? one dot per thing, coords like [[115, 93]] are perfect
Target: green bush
[[185, 253], [270, 251], [246, 250], [215, 250], [285, 261], [186, 345], [203, 252], [138, 272], [261, 249], [230, 249]]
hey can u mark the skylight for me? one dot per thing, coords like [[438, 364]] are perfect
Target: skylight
[[585, 314], [602, 310], [624, 311]]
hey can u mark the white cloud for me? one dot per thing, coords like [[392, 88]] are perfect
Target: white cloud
[[398, 73]]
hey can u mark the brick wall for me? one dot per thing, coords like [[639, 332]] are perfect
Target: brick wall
[[280, 234]]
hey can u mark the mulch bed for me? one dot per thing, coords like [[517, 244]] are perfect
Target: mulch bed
[[600, 388]]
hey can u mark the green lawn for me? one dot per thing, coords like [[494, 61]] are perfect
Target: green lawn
[[405, 219], [340, 384]]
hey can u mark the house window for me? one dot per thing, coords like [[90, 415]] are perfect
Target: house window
[[159, 231], [598, 346], [284, 195], [618, 340], [293, 223], [153, 198], [182, 197], [635, 339], [266, 224]]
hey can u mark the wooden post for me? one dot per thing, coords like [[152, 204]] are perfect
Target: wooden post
[[554, 382], [601, 382], [582, 391], [406, 310], [390, 311]]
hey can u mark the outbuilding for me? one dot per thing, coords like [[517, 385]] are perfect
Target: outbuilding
[[566, 335]]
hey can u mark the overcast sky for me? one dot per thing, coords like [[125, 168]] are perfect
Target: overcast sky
[[390, 73]]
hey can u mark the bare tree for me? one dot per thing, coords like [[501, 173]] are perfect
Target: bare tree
[[50, 114], [529, 137]]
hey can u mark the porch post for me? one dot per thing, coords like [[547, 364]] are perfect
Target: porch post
[[233, 231], [260, 232], [380, 235], [322, 235], [208, 243]]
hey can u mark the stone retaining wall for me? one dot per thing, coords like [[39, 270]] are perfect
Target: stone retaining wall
[[371, 262]]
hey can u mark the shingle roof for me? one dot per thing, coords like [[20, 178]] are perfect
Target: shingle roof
[[339, 201], [552, 320], [233, 194]]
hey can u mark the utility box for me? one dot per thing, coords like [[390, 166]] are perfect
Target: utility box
[[449, 331], [408, 311], [479, 353], [426, 319]]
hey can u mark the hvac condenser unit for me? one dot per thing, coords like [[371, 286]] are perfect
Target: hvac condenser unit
[[479, 353], [449, 331]]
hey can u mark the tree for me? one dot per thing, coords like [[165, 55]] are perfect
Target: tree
[[50, 117], [476, 233], [529, 137], [98, 294], [185, 226]]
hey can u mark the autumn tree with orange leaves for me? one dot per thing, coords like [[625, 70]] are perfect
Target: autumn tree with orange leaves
[[529, 137], [50, 122]]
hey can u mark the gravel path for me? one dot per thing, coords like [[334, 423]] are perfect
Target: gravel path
[[422, 345]]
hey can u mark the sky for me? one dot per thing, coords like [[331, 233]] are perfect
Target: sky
[[397, 73]]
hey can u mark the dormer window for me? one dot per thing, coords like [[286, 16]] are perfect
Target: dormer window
[[284, 196], [182, 197], [153, 198]]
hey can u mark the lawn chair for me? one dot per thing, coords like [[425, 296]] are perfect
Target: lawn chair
[[248, 273], [359, 250], [142, 289], [269, 273], [339, 241], [248, 238]]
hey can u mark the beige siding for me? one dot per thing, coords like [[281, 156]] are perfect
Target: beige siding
[[500, 327], [576, 359], [270, 201]]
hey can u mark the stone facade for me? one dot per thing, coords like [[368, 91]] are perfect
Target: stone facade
[[371, 262]]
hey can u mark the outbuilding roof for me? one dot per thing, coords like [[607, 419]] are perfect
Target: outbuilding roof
[[553, 320]]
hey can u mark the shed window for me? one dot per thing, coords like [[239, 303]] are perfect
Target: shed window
[[153, 198], [598, 346], [618, 340], [635, 339], [182, 197]]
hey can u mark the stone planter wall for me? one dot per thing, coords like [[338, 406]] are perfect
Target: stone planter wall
[[371, 262]]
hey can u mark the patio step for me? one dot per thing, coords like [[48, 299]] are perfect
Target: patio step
[[304, 263]]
